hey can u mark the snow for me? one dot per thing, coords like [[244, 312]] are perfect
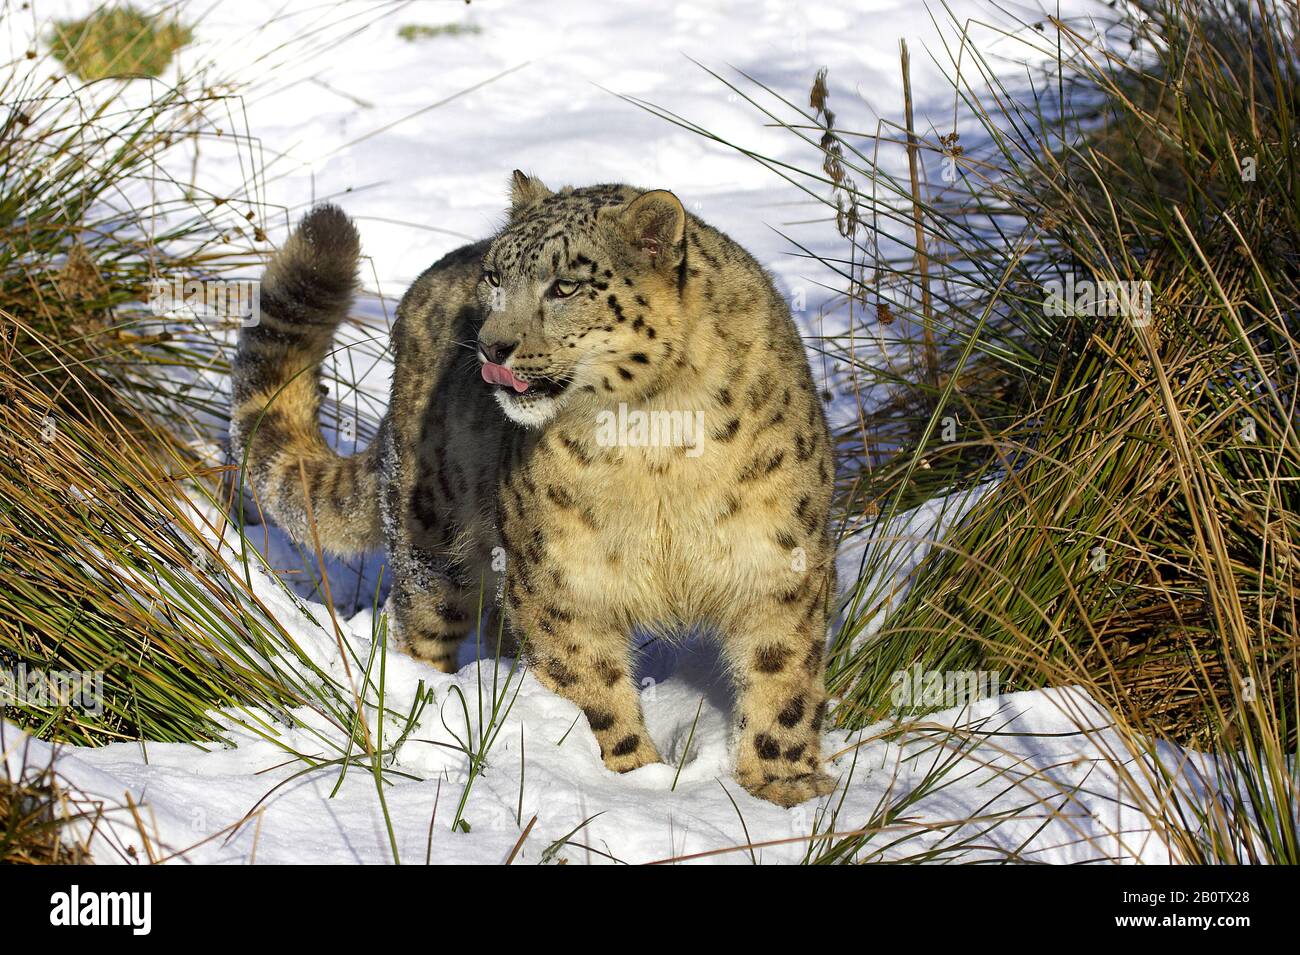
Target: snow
[[1063, 785], [343, 113]]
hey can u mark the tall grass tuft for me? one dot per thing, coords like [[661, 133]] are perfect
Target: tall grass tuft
[[112, 408], [107, 411]]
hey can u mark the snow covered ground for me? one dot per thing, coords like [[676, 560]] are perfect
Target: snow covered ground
[[352, 122], [1059, 786]]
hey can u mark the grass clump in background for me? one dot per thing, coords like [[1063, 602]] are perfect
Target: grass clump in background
[[117, 41], [414, 32]]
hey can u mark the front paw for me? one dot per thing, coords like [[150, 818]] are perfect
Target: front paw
[[789, 790], [628, 753]]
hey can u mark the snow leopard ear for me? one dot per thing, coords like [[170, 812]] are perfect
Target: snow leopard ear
[[654, 223], [525, 190]]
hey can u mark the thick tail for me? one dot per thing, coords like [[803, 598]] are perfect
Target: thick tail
[[308, 489]]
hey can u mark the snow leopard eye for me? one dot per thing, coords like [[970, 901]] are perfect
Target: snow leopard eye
[[491, 277], [563, 288]]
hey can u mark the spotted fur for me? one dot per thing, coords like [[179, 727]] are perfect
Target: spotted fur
[[595, 297]]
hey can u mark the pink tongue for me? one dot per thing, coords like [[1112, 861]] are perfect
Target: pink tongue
[[501, 375]]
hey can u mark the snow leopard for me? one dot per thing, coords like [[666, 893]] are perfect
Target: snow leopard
[[514, 467]]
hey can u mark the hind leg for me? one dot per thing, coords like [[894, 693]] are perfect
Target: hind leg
[[430, 614], [430, 621], [435, 598], [431, 607]]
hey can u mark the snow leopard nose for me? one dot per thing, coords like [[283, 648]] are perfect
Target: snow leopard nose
[[497, 352]]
